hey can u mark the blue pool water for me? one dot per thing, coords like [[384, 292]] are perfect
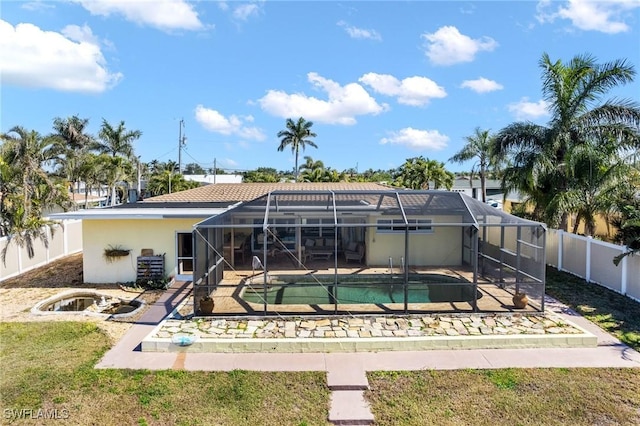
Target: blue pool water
[[423, 288]]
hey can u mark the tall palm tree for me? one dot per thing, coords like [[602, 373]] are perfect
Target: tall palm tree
[[116, 169], [116, 140], [480, 146], [73, 141], [573, 91], [26, 189], [297, 136]]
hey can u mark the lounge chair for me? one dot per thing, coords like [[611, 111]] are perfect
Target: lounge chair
[[354, 251]]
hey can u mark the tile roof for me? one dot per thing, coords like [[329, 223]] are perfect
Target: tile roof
[[235, 192]]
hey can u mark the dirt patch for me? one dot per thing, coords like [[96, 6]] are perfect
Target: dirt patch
[[19, 294]]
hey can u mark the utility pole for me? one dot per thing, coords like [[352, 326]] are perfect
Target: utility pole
[[181, 143], [215, 171]]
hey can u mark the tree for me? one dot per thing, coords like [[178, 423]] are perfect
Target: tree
[[627, 220], [539, 154], [419, 173], [262, 174], [193, 169], [297, 136], [168, 182], [480, 146], [73, 141], [116, 140], [26, 190], [312, 171]]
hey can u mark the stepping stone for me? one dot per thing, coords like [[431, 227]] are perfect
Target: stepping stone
[[349, 408], [344, 372]]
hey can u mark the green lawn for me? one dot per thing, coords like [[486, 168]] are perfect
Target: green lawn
[[617, 314], [49, 366], [524, 396], [506, 397]]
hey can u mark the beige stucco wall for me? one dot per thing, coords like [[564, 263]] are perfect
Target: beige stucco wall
[[133, 234], [442, 247]]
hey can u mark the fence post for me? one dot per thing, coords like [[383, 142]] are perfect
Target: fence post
[[47, 250], [19, 250], [623, 275], [65, 237], [560, 248], [587, 266]]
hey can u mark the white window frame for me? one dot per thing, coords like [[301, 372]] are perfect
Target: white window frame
[[396, 226]]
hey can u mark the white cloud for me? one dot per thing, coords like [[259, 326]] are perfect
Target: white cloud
[[36, 6], [361, 33], [166, 15], [223, 5], [447, 46], [343, 105], [481, 85], [604, 16], [415, 91], [525, 110], [80, 34], [70, 61], [417, 139], [245, 11], [215, 122]]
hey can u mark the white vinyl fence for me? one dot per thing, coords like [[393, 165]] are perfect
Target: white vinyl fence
[[66, 240], [592, 260]]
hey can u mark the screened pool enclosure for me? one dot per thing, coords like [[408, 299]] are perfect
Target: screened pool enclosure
[[366, 252]]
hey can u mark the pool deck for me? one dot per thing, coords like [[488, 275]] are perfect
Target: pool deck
[[609, 351], [228, 299], [346, 372]]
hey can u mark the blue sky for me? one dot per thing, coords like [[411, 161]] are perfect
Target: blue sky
[[382, 81]]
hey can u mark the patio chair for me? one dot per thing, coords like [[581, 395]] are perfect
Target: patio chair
[[241, 250], [355, 251]]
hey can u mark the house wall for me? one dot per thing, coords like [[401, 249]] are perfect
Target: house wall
[[442, 247], [132, 234]]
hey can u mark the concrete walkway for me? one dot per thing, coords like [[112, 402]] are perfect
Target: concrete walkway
[[346, 372]]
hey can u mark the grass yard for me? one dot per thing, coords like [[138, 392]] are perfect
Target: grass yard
[[501, 397], [617, 314], [524, 396], [49, 366]]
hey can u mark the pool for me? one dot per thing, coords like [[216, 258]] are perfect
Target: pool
[[362, 289], [87, 302]]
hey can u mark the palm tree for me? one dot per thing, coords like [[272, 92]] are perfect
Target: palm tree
[[27, 191], [539, 163], [116, 141], [598, 176], [116, 169], [481, 146], [73, 142], [297, 135], [419, 173], [312, 171]]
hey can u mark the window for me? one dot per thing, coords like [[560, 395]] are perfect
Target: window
[[392, 226]]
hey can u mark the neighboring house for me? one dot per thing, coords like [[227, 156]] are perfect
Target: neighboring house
[[473, 188], [164, 224], [80, 201], [215, 179]]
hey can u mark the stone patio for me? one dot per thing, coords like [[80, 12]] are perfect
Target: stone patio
[[434, 331]]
